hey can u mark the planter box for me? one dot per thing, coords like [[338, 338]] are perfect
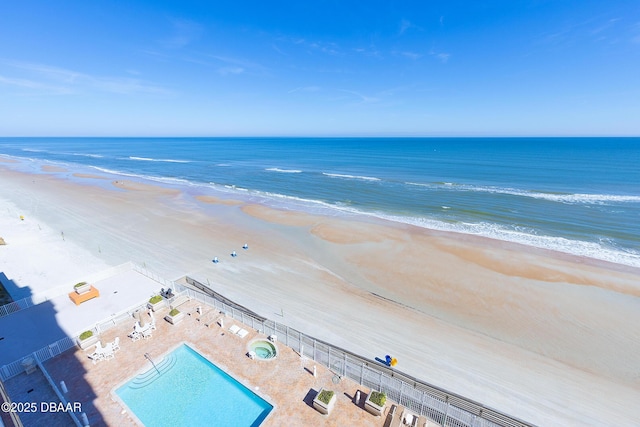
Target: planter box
[[324, 408], [174, 319], [157, 306], [373, 408], [85, 344], [83, 289]]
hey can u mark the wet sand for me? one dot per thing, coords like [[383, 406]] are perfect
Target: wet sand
[[549, 338]]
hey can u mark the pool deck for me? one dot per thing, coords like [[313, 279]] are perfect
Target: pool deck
[[286, 382]]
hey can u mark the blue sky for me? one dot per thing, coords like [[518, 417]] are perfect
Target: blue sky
[[413, 68]]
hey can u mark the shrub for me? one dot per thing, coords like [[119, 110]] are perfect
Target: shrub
[[377, 397], [174, 312], [325, 396], [155, 299], [77, 285], [85, 335]]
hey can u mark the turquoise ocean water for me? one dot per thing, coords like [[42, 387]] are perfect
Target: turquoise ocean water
[[576, 195]]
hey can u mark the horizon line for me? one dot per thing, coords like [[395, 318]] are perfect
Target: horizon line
[[324, 136]]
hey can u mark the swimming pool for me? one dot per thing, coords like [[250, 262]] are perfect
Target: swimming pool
[[190, 390]]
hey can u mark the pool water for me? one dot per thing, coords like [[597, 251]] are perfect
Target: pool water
[[191, 391]]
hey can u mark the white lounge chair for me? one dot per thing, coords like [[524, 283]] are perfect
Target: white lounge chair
[[116, 344], [234, 329], [409, 419], [242, 333]]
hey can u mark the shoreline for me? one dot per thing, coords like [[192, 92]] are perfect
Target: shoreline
[[484, 308], [582, 251]]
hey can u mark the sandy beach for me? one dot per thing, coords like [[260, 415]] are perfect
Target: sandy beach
[[549, 338]]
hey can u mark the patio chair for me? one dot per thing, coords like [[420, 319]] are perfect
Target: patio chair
[[96, 356], [409, 418], [242, 333], [108, 351], [142, 329], [116, 344], [234, 329], [146, 333], [137, 332]]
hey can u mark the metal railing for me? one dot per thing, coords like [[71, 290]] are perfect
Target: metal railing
[[446, 408], [15, 306], [52, 293], [12, 369]]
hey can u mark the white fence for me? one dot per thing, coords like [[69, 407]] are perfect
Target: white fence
[[446, 408], [49, 294], [15, 368]]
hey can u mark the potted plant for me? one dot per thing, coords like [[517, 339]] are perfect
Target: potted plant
[[374, 403], [175, 316], [82, 287], [87, 339], [155, 303], [324, 401]]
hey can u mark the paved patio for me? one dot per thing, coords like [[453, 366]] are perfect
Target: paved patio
[[286, 382]]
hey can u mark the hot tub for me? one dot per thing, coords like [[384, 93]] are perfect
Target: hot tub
[[263, 349]]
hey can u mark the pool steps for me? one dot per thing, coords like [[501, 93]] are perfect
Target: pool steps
[[149, 376]]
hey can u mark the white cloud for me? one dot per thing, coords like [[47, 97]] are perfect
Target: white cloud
[[405, 25], [365, 99], [411, 55], [230, 70], [329, 48], [34, 85], [305, 89], [60, 80], [441, 56], [236, 65], [184, 33], [371, 51]]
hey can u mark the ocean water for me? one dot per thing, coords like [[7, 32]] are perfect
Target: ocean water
[[576, 195]]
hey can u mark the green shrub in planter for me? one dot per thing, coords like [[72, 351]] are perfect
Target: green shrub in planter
[[85, 335], [174, 312], [379, 398], [325, 396], [77, 285], [155, 299]]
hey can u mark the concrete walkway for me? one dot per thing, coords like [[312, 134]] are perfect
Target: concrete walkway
[[28, 330]]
